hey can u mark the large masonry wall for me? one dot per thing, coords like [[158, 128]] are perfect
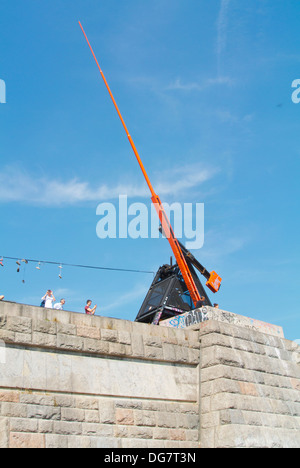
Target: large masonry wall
[[250, 388], [71, 380]]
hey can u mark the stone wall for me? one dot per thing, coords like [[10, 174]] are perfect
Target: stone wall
[[250, 388], [71, 380]]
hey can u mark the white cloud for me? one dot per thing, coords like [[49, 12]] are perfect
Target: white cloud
[[200, 86], [221, 243], [17, 185], [222, 22]]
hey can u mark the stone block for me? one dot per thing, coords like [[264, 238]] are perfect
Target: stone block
[[137, 345], [19, 324], [66, 329], [124, 416], [248, 388], [92, 416], [23, 338], [107, 411], [177, 434], [45, 426], [152, 352], [26, 441], [43, 412], [144, 418], [99, 430], [4, 432], [95, 346], [43, 339], [109, 335], [116, 349], [88, 332], [124, 337], [12, 410], [85, 402], [44, 326], [7, 336], [56, 441], [153, 341], [72, 414], [67, 427], [79, 442], [169, 352], [9, 396], [74, 343], [23, 425]]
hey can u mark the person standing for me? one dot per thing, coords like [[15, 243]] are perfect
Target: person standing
[[88, 309], [201, 302], [60, 305], [48, 299]]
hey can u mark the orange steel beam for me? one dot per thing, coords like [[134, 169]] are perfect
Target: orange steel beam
[[167, 228]]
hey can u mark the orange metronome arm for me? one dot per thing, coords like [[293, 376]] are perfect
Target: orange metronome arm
[[167, 228]]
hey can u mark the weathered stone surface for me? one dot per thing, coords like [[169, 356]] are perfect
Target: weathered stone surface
[[198, 317], [250, 389], [69, 380]]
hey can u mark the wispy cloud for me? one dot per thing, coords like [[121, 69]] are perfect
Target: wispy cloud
[[137, 292], [221, 243], [17, 185], [222, 24], [201, 85]]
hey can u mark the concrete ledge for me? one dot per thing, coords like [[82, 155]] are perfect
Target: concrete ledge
[[194, 318]]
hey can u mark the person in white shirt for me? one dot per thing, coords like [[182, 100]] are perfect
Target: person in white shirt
[[60, 305], [49, 299]]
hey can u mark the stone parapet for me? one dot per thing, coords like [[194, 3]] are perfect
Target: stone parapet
[[61, 330]]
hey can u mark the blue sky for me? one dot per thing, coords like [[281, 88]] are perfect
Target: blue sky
[[205, 90]]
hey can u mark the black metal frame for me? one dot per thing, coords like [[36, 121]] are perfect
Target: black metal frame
[[168, 295]]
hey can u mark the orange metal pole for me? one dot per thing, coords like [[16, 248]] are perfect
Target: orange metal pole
[[167, 228], [120, 115]]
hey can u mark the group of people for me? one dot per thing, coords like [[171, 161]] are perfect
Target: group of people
[[48, 300]]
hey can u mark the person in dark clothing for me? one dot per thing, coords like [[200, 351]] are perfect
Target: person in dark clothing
[[200, 303]]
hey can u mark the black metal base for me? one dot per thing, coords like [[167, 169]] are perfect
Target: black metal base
[[168, 295]]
